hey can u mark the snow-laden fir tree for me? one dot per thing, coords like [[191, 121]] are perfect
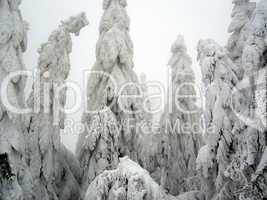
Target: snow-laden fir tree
[[181, 144], [241, 15], [169, 154], [233, 163], [252, 132], [110, 118], [235, 146], [56, 172], [219, 78], [253, 159], [15, 179]]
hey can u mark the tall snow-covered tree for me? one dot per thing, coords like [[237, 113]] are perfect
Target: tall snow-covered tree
[[236, 167], [254, 64], [234, 147], [219, 78], [15, 178], [181, 144], [169, 154], [111, 119], [55, 171]]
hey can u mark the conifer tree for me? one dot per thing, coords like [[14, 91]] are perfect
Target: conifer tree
[[111, 118], [181, 145], [16, 181], [55, 171]]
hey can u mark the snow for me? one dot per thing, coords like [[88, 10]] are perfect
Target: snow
[[232, 165]]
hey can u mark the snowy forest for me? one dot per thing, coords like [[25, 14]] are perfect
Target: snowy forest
[[214, 151]]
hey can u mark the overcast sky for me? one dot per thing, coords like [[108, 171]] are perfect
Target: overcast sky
[[155, 25]]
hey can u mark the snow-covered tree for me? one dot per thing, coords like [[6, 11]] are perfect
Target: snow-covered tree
[[129, 181], [254, 64], [232, 162], [182, 144], [111, 118], [241, 15], [169, 154], [55, 171], [219, 78], [235, 146], [15, 179]]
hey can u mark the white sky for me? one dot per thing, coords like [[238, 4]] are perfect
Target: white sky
[[155, 25]]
